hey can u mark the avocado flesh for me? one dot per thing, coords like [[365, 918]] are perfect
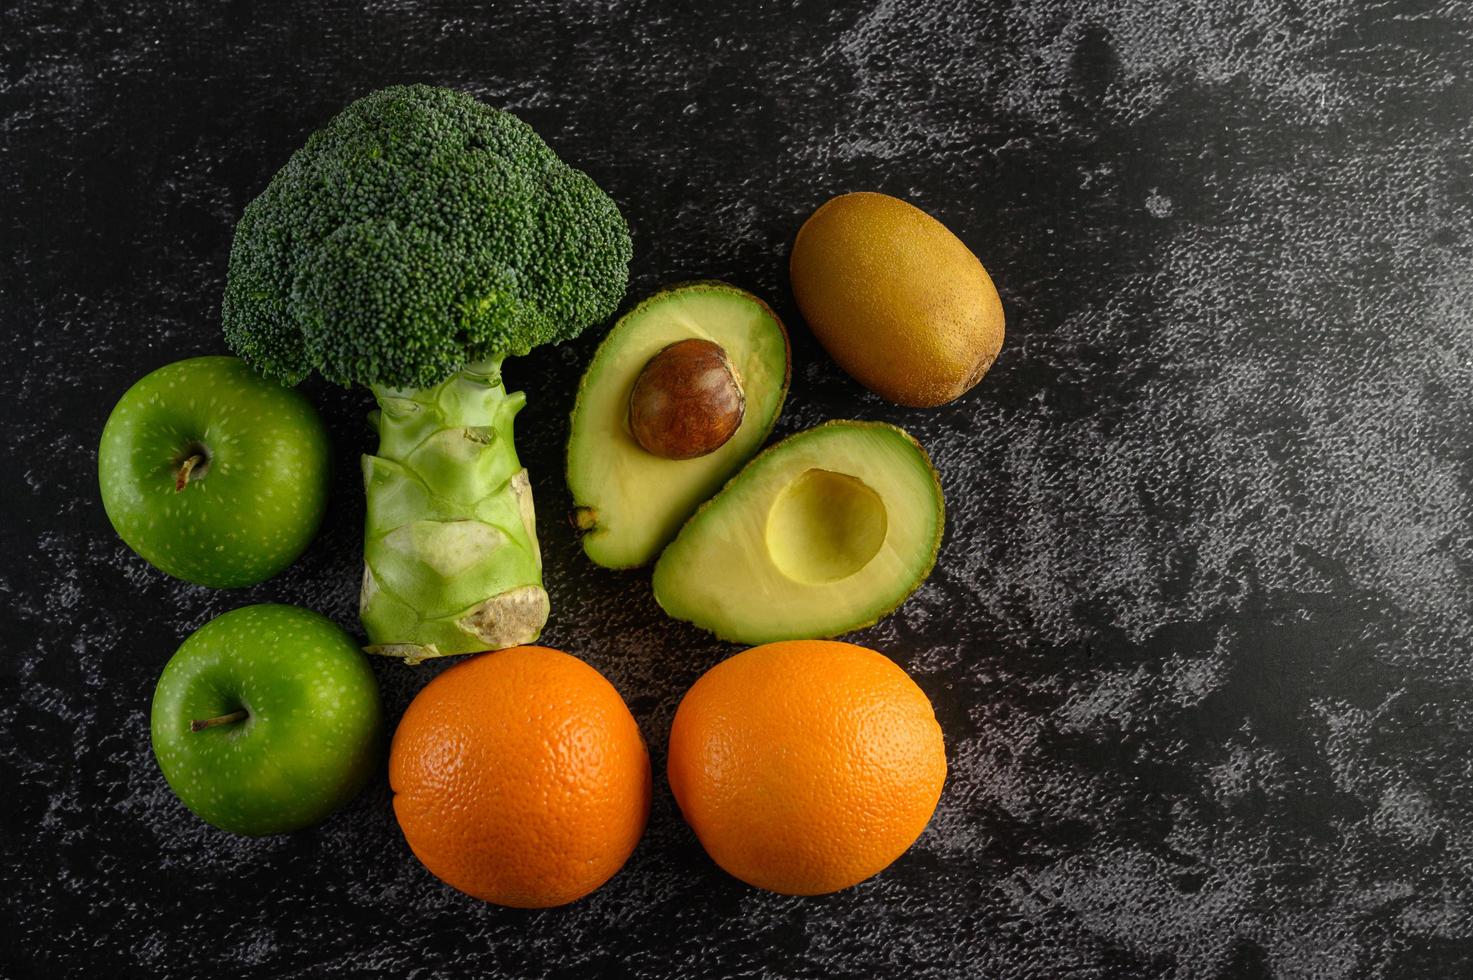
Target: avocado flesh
[[821, 534], [628, 502]]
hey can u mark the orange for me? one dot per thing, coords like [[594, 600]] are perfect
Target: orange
[[806, 766], [520, 777]]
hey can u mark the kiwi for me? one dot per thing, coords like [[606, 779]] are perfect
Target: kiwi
[[896, 299]]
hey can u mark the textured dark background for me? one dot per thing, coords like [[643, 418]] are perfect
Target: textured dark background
[[1199, 637]]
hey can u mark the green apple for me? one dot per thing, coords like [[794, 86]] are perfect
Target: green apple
[[212, 473], [267, 719]]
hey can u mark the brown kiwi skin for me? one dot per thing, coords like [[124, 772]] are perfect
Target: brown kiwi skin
[[897, 300]]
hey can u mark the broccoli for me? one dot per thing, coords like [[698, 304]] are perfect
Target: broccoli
[[409, 246]]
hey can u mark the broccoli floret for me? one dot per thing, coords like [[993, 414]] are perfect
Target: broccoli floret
[[409, 246], [419, 231]]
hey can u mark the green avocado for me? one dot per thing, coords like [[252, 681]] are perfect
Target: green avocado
[[821, 534], [628, 502]]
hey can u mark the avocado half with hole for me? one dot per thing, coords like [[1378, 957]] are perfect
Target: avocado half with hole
[[706, 364], [821, 534]]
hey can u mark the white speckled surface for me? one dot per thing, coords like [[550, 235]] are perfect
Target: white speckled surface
[[1200, 633]]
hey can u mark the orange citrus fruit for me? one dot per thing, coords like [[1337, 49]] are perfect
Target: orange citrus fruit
[[806, 766], [520, 777]]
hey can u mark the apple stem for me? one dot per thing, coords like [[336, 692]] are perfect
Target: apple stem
[[230, 719], [181, 475]]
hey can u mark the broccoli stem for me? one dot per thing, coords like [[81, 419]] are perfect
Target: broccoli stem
[[451, 562]]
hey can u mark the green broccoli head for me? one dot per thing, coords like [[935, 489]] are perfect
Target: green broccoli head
[[419, 231]]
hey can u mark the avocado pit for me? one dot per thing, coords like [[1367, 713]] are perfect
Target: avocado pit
[[687, 401]]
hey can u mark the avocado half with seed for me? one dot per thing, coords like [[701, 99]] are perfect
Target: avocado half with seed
[[628, 501], [823, 533]]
